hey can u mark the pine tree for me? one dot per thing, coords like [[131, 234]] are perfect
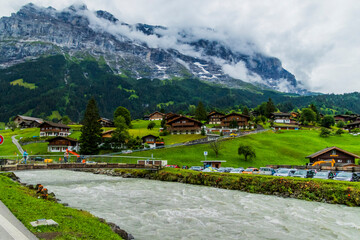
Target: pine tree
[[91, 130], [270, 108], [200, 112], [245, 111]]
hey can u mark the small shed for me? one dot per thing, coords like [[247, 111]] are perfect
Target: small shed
[[213, 163], [339, 155]]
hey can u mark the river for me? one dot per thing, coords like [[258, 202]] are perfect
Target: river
[[151, 209]]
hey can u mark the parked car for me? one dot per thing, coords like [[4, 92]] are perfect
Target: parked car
[[284, 172], [251, 171], [304, 174], [266, 171], [209, 169], [229, 169], [347, 176], [127, 151], [222, 169], [41, 159], [172, 166], [196, 168], [237, 170], [324, 175]]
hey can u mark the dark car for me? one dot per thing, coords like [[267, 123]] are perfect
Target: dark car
[[324, 175], [41, 159], [347, 176], [304, 174]]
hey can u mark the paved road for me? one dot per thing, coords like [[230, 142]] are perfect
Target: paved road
[[11, 228], [17, 144]]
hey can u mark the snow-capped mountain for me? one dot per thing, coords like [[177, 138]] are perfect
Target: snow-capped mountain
[[140, 50]]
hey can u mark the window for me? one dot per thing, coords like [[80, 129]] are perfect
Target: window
[[333, 152]]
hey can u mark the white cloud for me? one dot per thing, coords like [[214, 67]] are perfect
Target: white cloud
[[239, 71], [317, 41]]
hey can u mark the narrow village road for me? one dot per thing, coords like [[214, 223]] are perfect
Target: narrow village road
[[17, 144], [11, 228]]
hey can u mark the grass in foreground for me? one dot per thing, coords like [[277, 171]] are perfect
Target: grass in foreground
[[73, 224]]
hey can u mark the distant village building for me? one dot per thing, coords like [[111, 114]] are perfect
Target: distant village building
[[156, 116], [50, 129], [347, 118], [353, 125], [213, 163], [286, 127], [60, 144], [214, 117], [339, 155], [184, 125], [105, 122], [242, 120], [152, 141], [280, 117], [108, 134], [27, 122]]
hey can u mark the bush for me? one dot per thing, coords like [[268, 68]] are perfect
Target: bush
[[355, 130], [325, 132], [151, 125], [340, 124], [339, 132], [164, 133]]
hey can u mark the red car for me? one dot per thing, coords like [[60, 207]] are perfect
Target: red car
[[173, 166]]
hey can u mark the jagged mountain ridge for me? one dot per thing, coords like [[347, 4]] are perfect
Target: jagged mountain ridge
[[138, 51]]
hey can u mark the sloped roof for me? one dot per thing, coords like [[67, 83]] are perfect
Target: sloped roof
[[325, 150], [162, 114], [237, 114], [108, 131], [353, 123], [180, 117], [30, 118], [215, 112], [55, 124], [281, 114]]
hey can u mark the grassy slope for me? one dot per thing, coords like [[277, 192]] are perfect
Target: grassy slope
[[73, 224], [289, 147]]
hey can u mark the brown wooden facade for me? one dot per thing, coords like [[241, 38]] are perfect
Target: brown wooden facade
[[339, 155], [242, 120], [353, 125], [60, 144], [108, 134], [214, 117], [156, 116], [49, 129], [184, 125]]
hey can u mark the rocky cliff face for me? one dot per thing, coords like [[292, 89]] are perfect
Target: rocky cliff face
[[140, 51]]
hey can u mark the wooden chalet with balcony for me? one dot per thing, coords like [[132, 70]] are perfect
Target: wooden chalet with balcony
[[184, 125], [214, 117], [156, 116], [105, 122], [61, 144], [27, 122], [353, 125], [153, 141], [50, 129], [241, 120], [280, 117], [339, 155]]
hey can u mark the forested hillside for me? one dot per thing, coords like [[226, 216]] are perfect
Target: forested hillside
[[61, 84]]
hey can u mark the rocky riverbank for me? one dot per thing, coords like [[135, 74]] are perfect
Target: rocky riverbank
[[51, 197], [326, 191]]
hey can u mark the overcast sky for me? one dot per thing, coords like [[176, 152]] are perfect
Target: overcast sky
[[317, 41]]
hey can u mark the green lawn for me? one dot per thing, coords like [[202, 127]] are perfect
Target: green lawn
[[73, 224], [8, 148], [287, 147]]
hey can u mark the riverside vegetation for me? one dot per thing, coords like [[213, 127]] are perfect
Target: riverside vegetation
[[319, 190], [24, 203]]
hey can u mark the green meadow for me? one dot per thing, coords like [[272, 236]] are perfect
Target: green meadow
[[287, 147]]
